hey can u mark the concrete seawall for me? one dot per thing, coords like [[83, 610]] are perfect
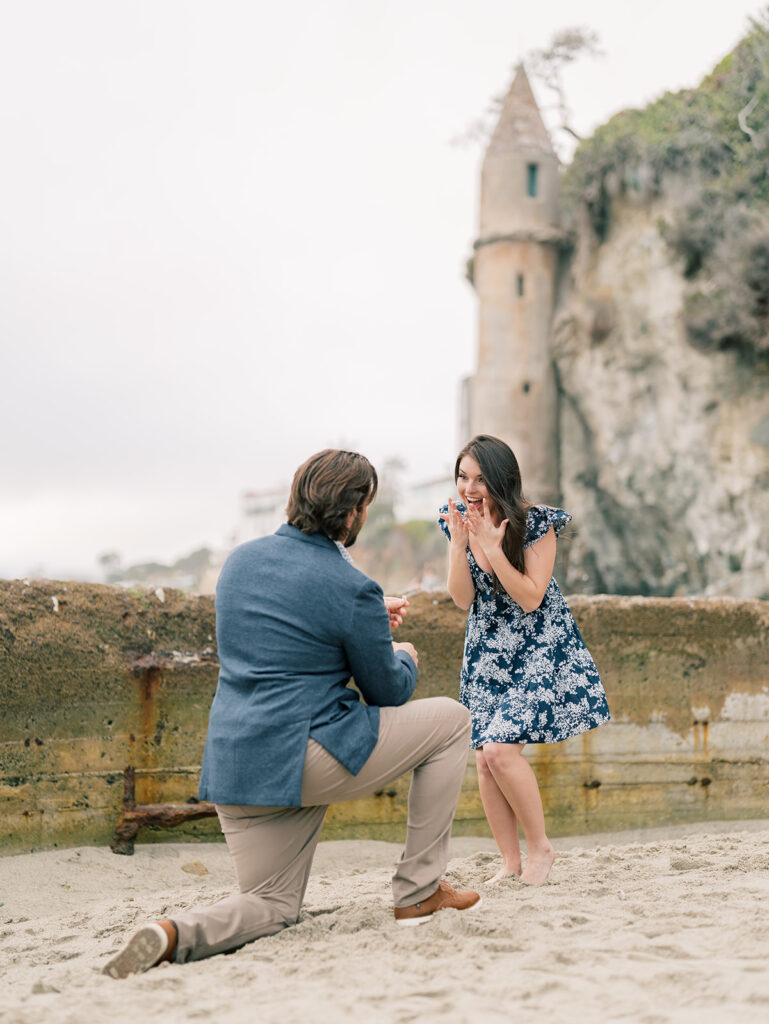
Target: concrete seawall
[[96, 679]]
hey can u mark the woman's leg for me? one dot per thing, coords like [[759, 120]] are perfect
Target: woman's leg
[[502, 821], [515, 778]]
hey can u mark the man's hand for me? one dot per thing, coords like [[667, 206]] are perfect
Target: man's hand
[[396, 609], [410, 649]]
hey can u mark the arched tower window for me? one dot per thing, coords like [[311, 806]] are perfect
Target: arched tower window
[[532, 173], [519, 285]]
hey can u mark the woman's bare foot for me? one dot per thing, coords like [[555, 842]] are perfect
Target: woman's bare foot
[[538, 866], [506, 871]]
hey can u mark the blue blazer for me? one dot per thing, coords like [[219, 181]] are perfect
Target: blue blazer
[[294, 621]]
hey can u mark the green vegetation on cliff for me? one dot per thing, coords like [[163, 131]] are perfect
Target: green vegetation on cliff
[[716, 137]]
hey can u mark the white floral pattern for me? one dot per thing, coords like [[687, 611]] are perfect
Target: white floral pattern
[[527, 677]]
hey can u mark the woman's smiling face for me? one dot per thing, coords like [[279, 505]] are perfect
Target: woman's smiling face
[[471, 487]]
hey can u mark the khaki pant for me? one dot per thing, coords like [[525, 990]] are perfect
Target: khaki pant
[[272, 847]]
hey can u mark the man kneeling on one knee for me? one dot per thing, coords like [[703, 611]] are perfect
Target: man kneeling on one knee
[[288, 735]]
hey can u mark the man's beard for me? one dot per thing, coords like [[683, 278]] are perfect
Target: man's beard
[[352, 533]]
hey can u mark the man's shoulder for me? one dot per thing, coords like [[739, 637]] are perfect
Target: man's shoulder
[[287, 542], [313, 555], [360, 581], [250, 550]]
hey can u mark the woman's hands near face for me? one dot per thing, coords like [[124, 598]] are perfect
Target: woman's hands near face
[[457, 524], [482, 527]]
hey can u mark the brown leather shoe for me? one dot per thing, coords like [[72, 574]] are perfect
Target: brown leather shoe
[[444, 898]]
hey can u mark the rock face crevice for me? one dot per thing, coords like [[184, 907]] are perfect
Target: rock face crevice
[[663, 449]]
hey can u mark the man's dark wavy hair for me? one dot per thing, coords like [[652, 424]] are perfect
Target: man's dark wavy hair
[[327, 488]]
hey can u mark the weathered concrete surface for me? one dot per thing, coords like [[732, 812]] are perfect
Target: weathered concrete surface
[[95, 679]]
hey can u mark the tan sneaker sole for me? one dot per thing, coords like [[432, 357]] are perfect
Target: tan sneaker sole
[[142, 951]]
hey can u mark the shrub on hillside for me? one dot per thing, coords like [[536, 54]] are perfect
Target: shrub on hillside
[[717, 136]]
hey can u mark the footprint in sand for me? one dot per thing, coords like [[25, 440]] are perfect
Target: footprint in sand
[[685, 864], [42, 988]]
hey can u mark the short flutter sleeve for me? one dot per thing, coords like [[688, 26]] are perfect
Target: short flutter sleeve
[[442, 511], [540, 518]]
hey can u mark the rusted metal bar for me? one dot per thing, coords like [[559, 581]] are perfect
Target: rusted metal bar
[[147, 670], [136, 816]]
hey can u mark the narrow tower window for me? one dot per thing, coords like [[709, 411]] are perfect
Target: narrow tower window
[[520, 284], [531, 178]]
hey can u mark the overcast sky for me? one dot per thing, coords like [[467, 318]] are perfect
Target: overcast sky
[[233, 233]]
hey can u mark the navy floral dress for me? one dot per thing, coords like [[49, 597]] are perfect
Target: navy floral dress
[[527, 677]]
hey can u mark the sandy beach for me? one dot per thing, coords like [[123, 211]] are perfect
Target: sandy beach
[[655, 926]]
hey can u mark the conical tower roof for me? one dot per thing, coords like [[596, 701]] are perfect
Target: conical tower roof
[[519, 174], [520, 127]]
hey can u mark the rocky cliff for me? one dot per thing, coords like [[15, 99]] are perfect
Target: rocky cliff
[[661, 343]]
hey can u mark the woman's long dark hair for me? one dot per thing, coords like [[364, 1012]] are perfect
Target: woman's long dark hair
[[502, 477]]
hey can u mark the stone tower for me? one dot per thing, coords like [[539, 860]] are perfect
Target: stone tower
[[514, 271]]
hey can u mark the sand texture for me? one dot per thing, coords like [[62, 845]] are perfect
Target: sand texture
[[668, 925]]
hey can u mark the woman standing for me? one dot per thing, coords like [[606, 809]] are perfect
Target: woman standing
[[527, 676]]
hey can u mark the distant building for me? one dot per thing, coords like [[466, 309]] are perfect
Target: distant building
[[261, 513], [422, 500]]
